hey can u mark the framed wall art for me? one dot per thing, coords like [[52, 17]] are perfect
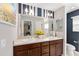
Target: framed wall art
[[8, 13]]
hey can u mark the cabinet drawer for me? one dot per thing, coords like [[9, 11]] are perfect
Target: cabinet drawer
[[45, 49], [34, 52], [56, 41], [34, 45], [21, 53], [59, 41], [44, 43], [52, 42], [21, 47]]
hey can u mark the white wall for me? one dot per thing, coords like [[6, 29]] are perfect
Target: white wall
[[7, 34], [60, 14]]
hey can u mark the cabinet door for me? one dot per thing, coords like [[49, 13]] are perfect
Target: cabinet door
[[34, 52], [20, 50], [59, 49], [52, 50], [45, 50]]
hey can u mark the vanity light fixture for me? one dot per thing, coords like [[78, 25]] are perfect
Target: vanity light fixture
[[51, 14], [48, 14], [26, 10], [31, 12], [72, 7]]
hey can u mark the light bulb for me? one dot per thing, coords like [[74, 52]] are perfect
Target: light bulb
[[31, 12], [48, 14], [51, 14], [26, 10]]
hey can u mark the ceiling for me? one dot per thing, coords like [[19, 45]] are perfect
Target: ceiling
[[71, 7], [48, 6], [54, 6]]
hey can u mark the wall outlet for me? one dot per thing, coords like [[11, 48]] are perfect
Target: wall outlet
[[2, 43]]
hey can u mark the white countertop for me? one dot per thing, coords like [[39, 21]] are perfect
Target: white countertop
[[33, 40]]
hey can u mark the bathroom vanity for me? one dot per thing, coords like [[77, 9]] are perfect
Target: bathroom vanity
[[50, 45], [38, 47]]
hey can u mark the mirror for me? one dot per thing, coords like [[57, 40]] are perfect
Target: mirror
[[75, 24], [27, 28], [51, 28], [59, 26], [28, 25], [50, 25]]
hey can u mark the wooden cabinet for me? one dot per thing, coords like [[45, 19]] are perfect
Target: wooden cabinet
[[34, 52], [49, 48], [34, 49], [20, 53], [45, 48], [45, 54], [52, 50], [20, 50], [27, 50], [59, 48], [56, 48]]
